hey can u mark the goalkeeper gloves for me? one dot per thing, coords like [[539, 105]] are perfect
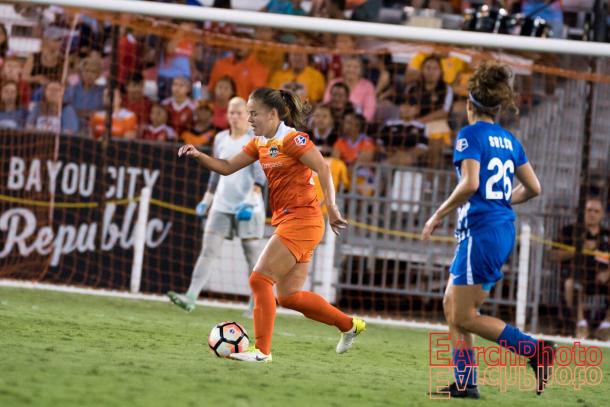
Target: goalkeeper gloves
[[201, 209], [244, 211]]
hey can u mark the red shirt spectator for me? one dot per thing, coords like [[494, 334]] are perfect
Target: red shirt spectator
[[128, 57], [180, 107], [223, 92], [158, 130], [135, 99], [11, 71]]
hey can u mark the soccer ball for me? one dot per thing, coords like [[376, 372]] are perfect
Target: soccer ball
[[228, 337]]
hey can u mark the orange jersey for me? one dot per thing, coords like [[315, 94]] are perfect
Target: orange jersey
[[291, 189]]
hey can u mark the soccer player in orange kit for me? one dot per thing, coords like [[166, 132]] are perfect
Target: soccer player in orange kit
[[288, 159]]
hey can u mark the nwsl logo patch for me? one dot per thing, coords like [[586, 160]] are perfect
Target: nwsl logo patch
[[300, 140], [274, 151], [462, 144]]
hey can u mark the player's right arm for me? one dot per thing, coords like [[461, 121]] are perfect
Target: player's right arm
[[529, 187], [221, 166], [468, 185]]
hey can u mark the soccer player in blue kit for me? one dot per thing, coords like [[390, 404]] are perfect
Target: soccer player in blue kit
[[487, 157]]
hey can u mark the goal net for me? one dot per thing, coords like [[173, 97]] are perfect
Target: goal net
[[386, 112]]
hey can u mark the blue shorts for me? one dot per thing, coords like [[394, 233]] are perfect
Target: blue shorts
[[479, 258]]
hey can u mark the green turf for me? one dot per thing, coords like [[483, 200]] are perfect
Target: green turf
[[59, 349]]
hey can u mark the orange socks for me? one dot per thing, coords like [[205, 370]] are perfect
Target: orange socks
[[310, 304], [315, 307], [264, 311]]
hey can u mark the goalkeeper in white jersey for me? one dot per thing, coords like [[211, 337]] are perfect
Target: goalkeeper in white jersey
[[233, 204]]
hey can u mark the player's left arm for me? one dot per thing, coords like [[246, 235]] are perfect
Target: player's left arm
[[314, 160], [529, 187], [468, 185]]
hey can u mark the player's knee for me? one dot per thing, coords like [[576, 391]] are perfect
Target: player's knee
[[258, 280]]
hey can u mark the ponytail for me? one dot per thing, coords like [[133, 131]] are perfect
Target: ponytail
[[289, 106]]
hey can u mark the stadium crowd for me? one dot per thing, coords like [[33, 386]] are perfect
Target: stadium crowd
[[364, 108]]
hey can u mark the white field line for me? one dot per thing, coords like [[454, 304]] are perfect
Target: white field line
[[243, 307]]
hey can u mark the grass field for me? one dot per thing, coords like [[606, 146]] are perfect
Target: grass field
[[60, 349]]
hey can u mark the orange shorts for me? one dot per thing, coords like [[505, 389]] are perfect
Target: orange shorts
[[301, 236]]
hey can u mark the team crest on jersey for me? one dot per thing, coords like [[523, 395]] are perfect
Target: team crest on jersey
[[462, 144], [274, 151], [300, 140]]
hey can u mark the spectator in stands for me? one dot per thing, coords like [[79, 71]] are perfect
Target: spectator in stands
[[12, 115], [292, 7], [451, 66], [323, 132], [158, 130], [179, 106], [339, 103], [357, 149], [404, 140], [176, 61], [124, 122], [430, 95], [591, 307], [203, 130], [49, 115], [330, 64], [243, 67], [86, 96], [430, 100], [135, 100], [377, 72], [300, 78], [354, 146], [130, 56], [365, 10], [46, 65], [328, 9], [12, 71], [362, 91], [224, 91], [268, 55], [3, 44]]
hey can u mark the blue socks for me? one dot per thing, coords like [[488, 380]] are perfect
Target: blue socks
[[516, 341], [465, 369]]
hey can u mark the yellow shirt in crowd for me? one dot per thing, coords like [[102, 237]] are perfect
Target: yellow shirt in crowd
[[311, 80], [452, 66], [340, 175]]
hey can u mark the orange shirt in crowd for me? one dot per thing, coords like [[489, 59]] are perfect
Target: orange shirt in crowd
[[248, 74], [123, 122], [197, 138], [292, 193], [350, 150]]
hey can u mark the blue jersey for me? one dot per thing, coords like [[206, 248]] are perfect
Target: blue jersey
[[499, 154]]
